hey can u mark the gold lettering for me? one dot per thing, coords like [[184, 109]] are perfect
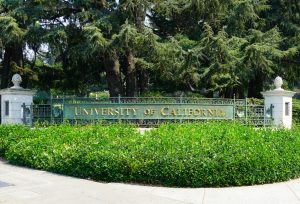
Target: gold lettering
[[152, 111], [197, 112], [76, 111], [163, 111], [222, 113], [210, 112], [185, 111], [97, 110], [104, 111], [91, 111], [110, 111], [85, 111], [135, 111], [127, 111], [190, 111], [121, 111], [174, 112]]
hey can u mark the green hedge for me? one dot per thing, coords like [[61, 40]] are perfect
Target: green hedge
[[194, 155], [296, 110], [10, 135]]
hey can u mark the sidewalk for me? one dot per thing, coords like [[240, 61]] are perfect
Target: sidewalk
[[26, 186]]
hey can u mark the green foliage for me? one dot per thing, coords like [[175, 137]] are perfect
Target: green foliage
[[10, 32], [95, 38], [10, 135], [194, 155], [154, 94], [255, 101], [101, 95], [224, 46], [296, 111]]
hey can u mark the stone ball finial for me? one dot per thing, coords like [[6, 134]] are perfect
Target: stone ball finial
[[16, 80], [278, 83]]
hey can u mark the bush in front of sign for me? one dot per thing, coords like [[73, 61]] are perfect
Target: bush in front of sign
[[82, 151], [191, 154], [296, 111], [12, 134], [223, 154]]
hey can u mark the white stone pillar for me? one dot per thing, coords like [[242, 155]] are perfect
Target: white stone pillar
[[282, 103], [12, 100]]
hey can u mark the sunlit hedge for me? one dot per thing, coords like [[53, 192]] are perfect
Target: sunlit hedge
[[296, 110], [195, 155]]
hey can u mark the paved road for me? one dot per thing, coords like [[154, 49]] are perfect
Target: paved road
[[26, 186]]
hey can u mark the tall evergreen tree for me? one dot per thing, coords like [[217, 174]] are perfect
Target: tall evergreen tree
[[228, 46], [12, 32]]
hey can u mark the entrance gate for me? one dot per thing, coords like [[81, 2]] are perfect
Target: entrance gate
[[145, 111]]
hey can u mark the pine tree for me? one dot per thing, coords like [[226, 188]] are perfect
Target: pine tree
[[12, 38]]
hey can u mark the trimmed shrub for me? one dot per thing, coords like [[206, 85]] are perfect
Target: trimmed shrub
[[296, 110], [193, 155], [12, 134]]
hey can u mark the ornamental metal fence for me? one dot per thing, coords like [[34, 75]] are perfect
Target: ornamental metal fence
[[144, 111]]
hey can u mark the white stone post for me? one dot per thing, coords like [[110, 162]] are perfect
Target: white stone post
[[12, 100], [282, 103]]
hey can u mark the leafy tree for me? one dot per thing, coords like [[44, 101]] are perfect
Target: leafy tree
[[286, 16], [226, 46], [12, 37]]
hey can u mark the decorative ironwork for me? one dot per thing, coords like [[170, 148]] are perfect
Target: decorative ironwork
[[148, 100]]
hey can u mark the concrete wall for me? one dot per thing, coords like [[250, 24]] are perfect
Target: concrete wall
[[15, 99]]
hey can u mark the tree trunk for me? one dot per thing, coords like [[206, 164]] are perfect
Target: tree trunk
[[17, 55], [140, 15], [228, 92], [143, 81], [143, 76], [239, 92], [13, 54], [256, 86], [17, 58], [6, 68], [130, 74], [113, 75]]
